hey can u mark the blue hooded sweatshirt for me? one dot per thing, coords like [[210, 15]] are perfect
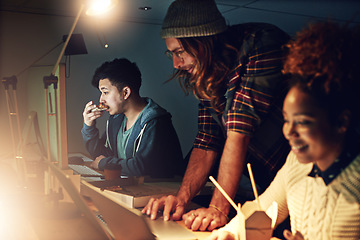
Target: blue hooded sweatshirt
[[153, 147]]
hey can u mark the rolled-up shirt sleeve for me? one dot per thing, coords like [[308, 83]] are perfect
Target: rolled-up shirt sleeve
[[252, 86]]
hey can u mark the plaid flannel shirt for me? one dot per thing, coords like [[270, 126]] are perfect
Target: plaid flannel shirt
[[257, 89]]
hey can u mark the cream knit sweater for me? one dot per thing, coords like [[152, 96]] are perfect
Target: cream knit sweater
[[317, 211]]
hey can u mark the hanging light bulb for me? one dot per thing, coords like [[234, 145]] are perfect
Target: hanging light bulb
[[101, 37]]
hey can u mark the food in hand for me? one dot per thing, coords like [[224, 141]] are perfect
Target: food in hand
[[99, 108]]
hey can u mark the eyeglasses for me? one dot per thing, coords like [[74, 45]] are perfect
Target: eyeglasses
[[178, 53]]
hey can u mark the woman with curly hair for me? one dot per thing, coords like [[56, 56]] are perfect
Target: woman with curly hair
[[319, 185]]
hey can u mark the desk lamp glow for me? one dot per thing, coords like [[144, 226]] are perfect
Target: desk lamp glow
[[96, 7]]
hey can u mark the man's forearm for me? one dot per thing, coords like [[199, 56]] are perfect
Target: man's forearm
[[197, 172], [231, 169]]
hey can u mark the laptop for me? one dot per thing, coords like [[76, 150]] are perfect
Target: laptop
[[79, 201], [116, 221], [130, 223]]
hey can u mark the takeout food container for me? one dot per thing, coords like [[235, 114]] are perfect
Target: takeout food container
[[258, 226]]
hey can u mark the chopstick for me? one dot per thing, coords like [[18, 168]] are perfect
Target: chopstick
[[223, 193], [253, 185]]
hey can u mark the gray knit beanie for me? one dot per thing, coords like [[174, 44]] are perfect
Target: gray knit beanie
[[192, 18]]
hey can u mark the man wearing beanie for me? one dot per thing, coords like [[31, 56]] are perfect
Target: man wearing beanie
[[235, 72]]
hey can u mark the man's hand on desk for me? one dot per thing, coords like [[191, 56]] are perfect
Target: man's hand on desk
[[204, 219], [169, 204], [201, 219], [95, 164]]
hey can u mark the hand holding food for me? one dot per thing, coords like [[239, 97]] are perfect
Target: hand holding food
[[92, 112]]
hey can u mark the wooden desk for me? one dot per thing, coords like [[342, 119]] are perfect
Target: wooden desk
[[34, 216], [49, 219]]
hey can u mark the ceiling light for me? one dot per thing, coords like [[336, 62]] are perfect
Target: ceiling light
[[144, 8], [98, 7]]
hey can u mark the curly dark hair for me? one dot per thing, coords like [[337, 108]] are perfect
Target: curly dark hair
[[324, 60]]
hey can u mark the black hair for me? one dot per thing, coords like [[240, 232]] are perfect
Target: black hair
[[121, 73]]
